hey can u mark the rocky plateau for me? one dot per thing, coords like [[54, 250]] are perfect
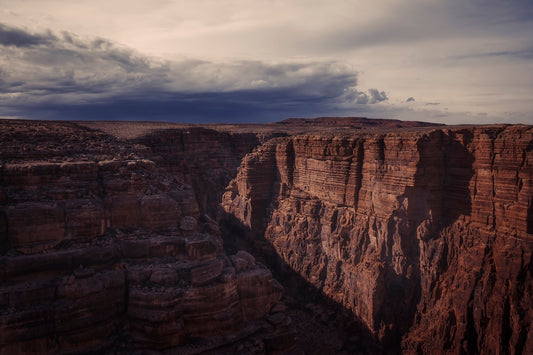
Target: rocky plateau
[[333, 235]]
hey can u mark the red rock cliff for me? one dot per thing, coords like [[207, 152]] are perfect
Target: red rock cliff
[[425, 236], [102, 246]]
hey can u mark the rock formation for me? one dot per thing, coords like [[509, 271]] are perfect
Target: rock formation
[[110, 237], [426, 236], [353, 122], [103, 248]]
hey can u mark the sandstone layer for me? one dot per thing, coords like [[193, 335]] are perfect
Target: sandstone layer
[[104, 246], [425, 235], [109, 237]]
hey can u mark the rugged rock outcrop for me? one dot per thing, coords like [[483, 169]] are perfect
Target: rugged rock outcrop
[[103, 248], [204, 159], [426, 236], [109, 242]]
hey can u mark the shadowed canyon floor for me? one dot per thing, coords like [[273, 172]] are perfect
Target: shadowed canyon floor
[[333, 235]]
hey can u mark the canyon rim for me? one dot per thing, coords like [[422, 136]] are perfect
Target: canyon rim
[[331, 235]]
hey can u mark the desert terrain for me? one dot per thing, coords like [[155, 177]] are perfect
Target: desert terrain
[[331, 235]]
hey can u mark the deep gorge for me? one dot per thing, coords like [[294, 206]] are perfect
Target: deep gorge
[[112, 243]]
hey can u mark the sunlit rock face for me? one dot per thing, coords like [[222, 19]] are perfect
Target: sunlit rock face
[[105, 248], [109, 238], [426, 236]]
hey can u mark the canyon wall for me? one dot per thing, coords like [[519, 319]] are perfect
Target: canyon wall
[[110, 243], [204, 159], [426, 236], [103, 247]]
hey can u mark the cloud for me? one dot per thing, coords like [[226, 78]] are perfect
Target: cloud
[[525, 54], [462, 54], [10, 36], [372, 96], [377, 96], [67, 77]]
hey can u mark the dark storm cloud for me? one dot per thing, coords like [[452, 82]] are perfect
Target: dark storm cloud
[[245, 105], [239, 106], [10, 36], [66, 77]]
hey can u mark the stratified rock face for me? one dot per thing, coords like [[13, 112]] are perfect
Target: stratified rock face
[[100, 247], [202, 158], [427, 237], [425, 234]]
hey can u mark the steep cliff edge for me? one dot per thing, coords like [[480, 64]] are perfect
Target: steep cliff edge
[[202, 158], [426, 236], [109, 243], [105, 248]]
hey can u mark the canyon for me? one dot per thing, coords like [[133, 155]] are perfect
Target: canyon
[[388, 236]]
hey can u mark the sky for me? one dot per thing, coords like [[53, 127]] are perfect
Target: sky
[[452, 61]]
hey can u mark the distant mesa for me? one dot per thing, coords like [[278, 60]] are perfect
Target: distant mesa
[[355, 122]]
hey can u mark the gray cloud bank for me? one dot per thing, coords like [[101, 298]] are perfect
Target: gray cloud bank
[[62, 76], [10, 36]]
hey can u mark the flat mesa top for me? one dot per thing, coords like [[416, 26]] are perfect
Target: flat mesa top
[[338, 126]]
